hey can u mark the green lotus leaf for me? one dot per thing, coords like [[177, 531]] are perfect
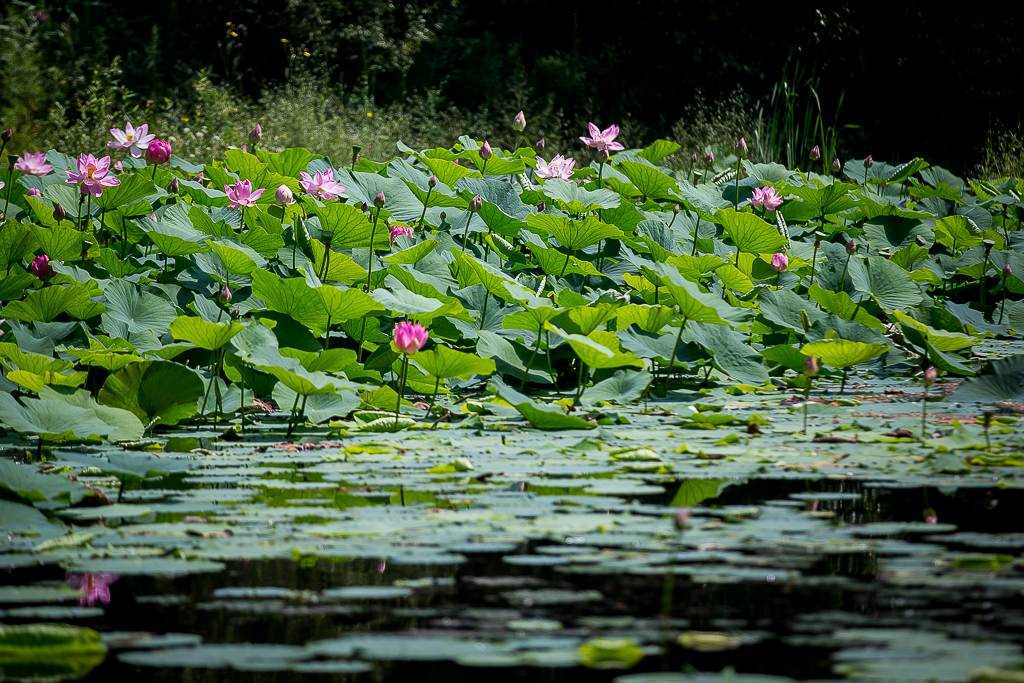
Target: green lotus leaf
[[204, 334], [843, 353], [445, 363], [154, 389], [751, 234]]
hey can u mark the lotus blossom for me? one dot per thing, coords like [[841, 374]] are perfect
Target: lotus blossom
[[322, 184], [603, 140], [41, 268], [780, 262], [33, 164], [519, 122], [92, 174], [410, 337], [241, 194], [766, 198], [33, 192], [558, 168], [135, 140], [158, 152], [284, 196], [400, 230], [96, 587]]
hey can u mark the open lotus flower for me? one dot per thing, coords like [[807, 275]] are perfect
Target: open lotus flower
[[558, 168], [33, 164], [766, 198], [158, 152], [410, 337], [241, 194], [92, 174], [603, 139], [135, 140], [95, 587], [322, 184]]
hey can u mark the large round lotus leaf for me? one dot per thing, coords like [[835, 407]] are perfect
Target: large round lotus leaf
[[153, 389], [49, 651]]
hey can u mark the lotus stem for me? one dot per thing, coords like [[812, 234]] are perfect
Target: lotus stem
[[425, 202], [807, 396], [579, 387], [433, 397], [924, 412], [373, 232], [672, 360], [536, 348], [401, 388]]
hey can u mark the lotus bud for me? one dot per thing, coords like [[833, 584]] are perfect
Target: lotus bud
[[675, 209], [236, 311], [153, 218], [476, 203], [200, 177], [119, 167], [432, 181], [930, 516], [541, 144], [519, 122], [930, 375], [780, 262], [356, 149], [33, 192], [159, 152], [7, 135], [869, 162], [284, 196], [811, 366], [541, 207], [485, 151], [364, 207], [851, 247], [244, 148], [59, 213], [741, 148], [694, 158], [682, 519], [256, 134], [174, 185], [224, 296], [710, 158], [444, 216], [815, 153], [836, 165], [1007, 271], [378, 201], [41, 268]]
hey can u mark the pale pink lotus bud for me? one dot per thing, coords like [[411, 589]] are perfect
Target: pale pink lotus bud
[[930, 516], [811, 366], [485, 151], [710, 158], [224, 296], [519, 122], [930, 375], [682, 519], [158, 152], [256, 134], [741, 148], [1007, 270], [694, 158], [173, 186], [851, 247], [476, 203], [869, 162], [400, 230], [41, 268], [59, 213], [379, 200], [836, 166], [153, 217], [815, 153], [33, 192], [675, 209], [284, 196], [541, 144], [410, 337], [780, 262], [432, 181]]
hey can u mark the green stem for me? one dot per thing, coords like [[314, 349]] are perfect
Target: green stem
[[433, 397], [814, 262], [1002, 309], [291, 416], [465, 235], [153, 178], [564, 266], [672, 360], [924, 412], [536, 348], [327, 339], [579, 380], [696, 233], [425, 202], [807, 395], [736, 199], [401, 388], [373, 231], [842, 280], [10, 187]]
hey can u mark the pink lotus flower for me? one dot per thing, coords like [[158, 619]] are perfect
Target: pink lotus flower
[[558, 168], [33, 164], [322, 184], [241, 194], [33, 192], [780, 262], [284, 196], [410, 337], [400, 230], [603, 139], [96, 587], [92, 174], [41, 268], [158, 152], [766, 198], [135, 140]]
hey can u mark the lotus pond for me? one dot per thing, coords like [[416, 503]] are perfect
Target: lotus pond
[[471, 412]]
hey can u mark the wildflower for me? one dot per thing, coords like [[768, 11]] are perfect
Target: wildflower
[[369, 114], [241, 194], [603, 139], [322, 184], [780, 262], [33, 164], [519, 123], [766, 198], [558, 168], [95, 586], [741, 148], [410, 337], [256, 134], [158, 152], [33, 192], [379, 200], [851, 247], [485, 151], [135, 140], [815, 153], [92, 174], [810, 366], [476, 203], [400, 230], [41, 268], [224, 296], [284, 196]]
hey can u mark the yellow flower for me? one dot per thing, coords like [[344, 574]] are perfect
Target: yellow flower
[[228, 24], [306, 54], [234, 35], [284, 40], [185, 119], [369, 114]]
